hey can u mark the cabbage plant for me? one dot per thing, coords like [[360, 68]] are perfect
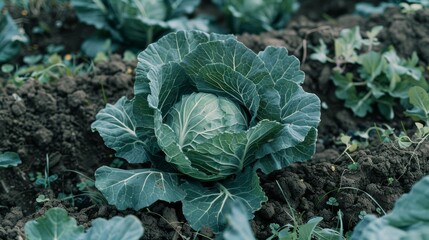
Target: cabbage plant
[[207, 114]]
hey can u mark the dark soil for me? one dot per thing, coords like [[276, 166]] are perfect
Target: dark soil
[[38, 120]]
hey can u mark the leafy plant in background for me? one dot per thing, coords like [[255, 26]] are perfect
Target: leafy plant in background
[[11, 37], [44, 68], [256, 16], [134, 22], [56, 224], [409, 218], [207, 113], [382, 77]]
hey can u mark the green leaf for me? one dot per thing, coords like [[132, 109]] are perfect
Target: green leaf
[[228, 153], [55, 224], [344, 85], [208, 206], [306, 231], [116, 228], [137, 189], [224, 81], [299, 115], [8, 159], [238, 227], [118, 128], [372, 65], [281, 159], [11, 38], [419, 98], [408, 220], [170, 48], [320, 52], [180, 7], [281, 65]]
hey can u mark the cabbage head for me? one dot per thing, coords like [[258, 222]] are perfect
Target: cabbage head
[[207, 114]]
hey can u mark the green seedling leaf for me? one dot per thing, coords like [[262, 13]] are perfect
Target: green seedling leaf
[[55, 224], [320, 52], [137, 188], [332, 202], [7, 68], [209, 206], [9, 159], [419, 98]]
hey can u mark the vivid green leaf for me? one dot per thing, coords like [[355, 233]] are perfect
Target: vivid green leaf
[[238, 227], [208, 206], [171, 48], [8, 159], [55, 224], [137, 189], [409, 219], [118, 128], [116, 228], [419, 98], [281, 65], [11, 38]]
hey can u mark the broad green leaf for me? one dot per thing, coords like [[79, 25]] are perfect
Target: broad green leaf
[[360, 105], [92, 12], [208, 206], [409, 219], [345, 87], [55, 224], [11, 38], [229, 52], [117, 126], [347, 43], [170, 48], [228, 153], [180, 7], [137, 189], [8, 159], [116, 228], [300, 113], [222, 80], [167, 84], [281, 159], [281, 65], [372, 65], [238, 227], [419, 98], [306, 231]]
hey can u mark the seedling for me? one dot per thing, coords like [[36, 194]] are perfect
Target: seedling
[[45, 180], [332, 202]]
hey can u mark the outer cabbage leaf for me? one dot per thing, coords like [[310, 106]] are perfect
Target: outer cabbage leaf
[[238, 227], [12, 38], [55, 224], [116, 228], [137, 188], [409, 219], [281, 65], [208, 206], [118, 128], [171, 48]]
